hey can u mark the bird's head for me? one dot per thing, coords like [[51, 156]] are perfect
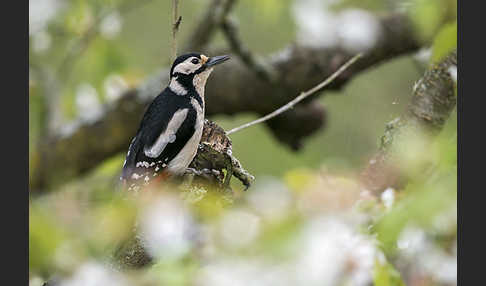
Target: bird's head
[[192, 70]]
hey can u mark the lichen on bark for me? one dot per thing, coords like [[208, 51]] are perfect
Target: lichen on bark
[[433, 100]]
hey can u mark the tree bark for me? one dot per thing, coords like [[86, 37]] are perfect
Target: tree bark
[[432, 103]]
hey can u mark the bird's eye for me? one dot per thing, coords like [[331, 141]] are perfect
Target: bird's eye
[[195, 61]]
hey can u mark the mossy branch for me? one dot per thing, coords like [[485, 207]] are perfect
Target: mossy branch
[[432, 103]]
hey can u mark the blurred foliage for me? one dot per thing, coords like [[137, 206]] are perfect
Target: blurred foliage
[[430, 15], [426, 196], [384, 274], [301, 204], [445, 42], [278, 222], [44, 238], [371, 5]]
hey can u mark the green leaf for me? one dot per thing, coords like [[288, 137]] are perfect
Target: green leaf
[[420, 207], [445, 42], [45, 236], [427, 17], [384, 274], [177, 272], [370, 5]]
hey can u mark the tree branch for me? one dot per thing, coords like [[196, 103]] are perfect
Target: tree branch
[[230, 30], [432, 102], [207, 25], [232, 89]]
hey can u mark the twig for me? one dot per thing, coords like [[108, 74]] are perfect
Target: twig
[[299, 98], [176, 21], [230, 30], [207, 25]]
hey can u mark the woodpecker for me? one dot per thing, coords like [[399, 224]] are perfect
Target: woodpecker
[[171, 128]]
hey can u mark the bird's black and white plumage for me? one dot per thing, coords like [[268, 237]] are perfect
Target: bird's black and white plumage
[[171, 128]]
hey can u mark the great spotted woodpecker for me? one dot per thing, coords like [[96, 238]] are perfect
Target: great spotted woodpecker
[[169, 133]]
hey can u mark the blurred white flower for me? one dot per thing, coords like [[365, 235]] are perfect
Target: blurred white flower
[[88, 105], [316, 25], [111, 25], [94, 274], [357, 30], [423, 55], [322, 256], [362, 258], [41, 41], [327, 252], [411, 241], [453, 72], [41, 12], [423, 255], [69, 128], [114, 86], [441, 266], [283, 54], [239, 228], [270, 198], [167, 229], [330, 248], [388, 198], [227, 273], [236, 272]]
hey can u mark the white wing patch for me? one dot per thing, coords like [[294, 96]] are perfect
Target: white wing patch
[[168, 136], [180, 162]]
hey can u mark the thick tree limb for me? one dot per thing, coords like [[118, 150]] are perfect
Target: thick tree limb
[[232, 89], [432, 102]]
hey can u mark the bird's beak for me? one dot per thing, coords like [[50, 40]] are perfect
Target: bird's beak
[[212, 61]]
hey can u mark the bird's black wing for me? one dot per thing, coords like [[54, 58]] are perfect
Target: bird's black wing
[[154, 123]]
